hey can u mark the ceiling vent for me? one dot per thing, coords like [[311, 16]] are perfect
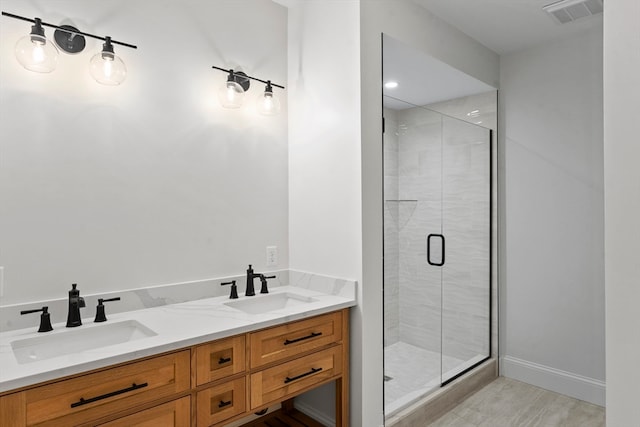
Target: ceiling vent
[[571, 10]]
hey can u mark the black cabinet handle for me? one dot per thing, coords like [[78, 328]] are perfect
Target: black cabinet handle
[[429, 237], [222, 404], [312, 371], [224, 360], [312, 335], [83, 401]]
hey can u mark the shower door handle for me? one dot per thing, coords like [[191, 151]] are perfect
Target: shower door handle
[[429, 237]]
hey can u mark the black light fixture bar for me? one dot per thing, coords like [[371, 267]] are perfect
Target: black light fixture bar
[[74, 32], [248, 77]]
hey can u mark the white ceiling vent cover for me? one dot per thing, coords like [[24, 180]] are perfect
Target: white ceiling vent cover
[[570, 10]]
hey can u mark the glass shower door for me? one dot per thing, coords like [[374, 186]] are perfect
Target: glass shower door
[[466, 217], [436, 250], [412, 290]]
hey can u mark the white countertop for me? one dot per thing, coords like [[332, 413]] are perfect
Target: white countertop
[[176, 325]]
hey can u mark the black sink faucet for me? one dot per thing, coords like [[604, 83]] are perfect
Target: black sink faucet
[[263, 280], [45, 318], [100, 314], [76, 302], [250, 276]]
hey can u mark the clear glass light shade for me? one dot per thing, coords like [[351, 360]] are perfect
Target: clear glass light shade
[[268, 104], [231, 95], [107, 68], [35, 53]]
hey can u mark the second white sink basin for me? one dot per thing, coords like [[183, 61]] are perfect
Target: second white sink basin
[[77, 340], [269, 302]]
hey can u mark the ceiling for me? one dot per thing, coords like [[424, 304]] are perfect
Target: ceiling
[[503, 26], [506, 26], [422, 79]]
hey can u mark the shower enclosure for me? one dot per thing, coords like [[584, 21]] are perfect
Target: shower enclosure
[[437, 250]]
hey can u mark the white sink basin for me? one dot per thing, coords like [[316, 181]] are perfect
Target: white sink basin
[[77, 340], [269, 302]]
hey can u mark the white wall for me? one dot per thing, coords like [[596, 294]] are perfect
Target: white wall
[[324, 155], [622, 209], [150, 182], [552, 323], [413, 25]]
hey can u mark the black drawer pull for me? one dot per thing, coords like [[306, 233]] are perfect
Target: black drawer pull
[[312, 371], [224, 360], [312, 335], [222, 404], [83, 401]]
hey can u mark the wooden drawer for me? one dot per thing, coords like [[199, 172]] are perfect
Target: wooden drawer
[[103, 393], [176, 413], [221, 402], [282, 342], [220, 359], [276, 383]]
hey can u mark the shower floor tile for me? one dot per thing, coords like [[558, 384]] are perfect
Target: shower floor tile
[[413, 372]]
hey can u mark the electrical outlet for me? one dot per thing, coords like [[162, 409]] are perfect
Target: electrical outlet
[[272, 256]]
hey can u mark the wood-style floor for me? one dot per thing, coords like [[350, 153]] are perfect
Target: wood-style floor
[[509, 403]]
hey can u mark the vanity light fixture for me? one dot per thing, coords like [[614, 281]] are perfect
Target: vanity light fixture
[[391, 85], [107, 68], [267, 103], [36, 53], [231, 94]]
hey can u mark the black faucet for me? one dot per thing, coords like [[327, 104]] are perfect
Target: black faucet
[[76, 302], [100, 314], [45, 318], [250, 276], [234, 289], [263, 281]]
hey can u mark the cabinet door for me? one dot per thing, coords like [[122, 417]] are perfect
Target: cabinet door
[[220, 359], [221, 402], [93, 396], [289, 340], [176, 413], [288, 379]]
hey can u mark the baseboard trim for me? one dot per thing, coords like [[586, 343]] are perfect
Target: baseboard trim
[[567, 383], [315, 414]]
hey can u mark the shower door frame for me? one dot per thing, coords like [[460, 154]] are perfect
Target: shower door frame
[[490, 355]]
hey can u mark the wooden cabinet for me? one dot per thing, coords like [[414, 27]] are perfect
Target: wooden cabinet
[[210, 384], [286, 341], [221, 402], [220, 359], [99, 394], [289, 379], [176, 413]]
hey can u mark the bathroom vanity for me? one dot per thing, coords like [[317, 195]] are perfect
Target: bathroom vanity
[[275, 357]]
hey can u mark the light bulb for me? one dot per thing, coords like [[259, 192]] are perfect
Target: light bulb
[[35, 53], [267, 103], [231, 94], [107, 68]]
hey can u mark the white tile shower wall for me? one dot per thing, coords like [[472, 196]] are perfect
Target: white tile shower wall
[[463, 320], [392, 211]]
